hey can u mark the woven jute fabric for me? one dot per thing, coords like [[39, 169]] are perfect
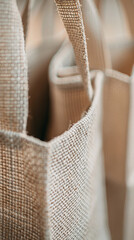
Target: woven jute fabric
[[48, 190], [67, 91], [73, 101], [54, 189], [13, 69], [71, 15]]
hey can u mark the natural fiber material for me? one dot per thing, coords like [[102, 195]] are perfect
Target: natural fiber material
[[118, 138], [22, 191], [48, 190], [66, 91], [128, 214], [70, 11], [13, 69], [56, 183], [77, 194]]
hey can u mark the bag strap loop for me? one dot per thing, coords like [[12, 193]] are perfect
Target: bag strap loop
[[71, 14]]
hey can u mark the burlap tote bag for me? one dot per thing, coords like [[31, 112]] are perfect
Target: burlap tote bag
[[49, 190]]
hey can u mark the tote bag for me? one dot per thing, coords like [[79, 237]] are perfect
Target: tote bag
[[49, 190], [118, 139]]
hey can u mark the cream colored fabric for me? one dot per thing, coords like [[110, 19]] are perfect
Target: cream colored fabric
[[115, 125], [51, 190], [71, 209], [13, 70], [118, 152], [96, 219], [129, 216]]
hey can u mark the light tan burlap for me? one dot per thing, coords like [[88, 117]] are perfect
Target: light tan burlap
[[72, 107], [73, 101], [48, 190], [13, 70]]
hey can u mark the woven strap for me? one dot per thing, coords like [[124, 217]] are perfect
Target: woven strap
[[70, 11], [13, 69]]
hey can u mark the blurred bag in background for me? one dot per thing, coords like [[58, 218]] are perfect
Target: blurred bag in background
[[118, 116]]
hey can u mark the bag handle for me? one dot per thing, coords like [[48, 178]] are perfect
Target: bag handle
[[13, 73], [13, 69], [71, 14]]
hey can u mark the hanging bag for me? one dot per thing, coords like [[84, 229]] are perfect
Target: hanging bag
[[49, 190]]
